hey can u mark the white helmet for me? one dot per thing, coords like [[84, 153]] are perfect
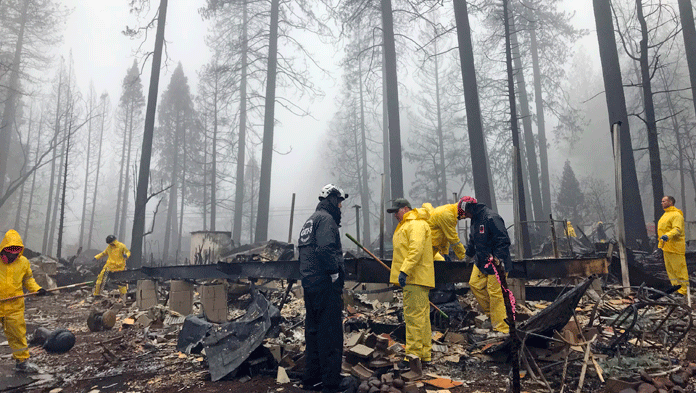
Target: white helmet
[[331, 189]]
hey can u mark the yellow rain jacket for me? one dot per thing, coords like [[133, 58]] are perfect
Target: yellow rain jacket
[[413, 250], [115, 251], [14, 277], [672, 224], [443, 227], [570, 231]]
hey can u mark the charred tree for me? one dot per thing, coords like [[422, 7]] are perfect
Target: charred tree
[[365, 192], [388, 224], [20, 198], [33, 181], [119, 197], [56, 133], [440, 138], [686, 13], [10, 109], [241, 140], [135, 261], [634, 221], [268, 125], [87, 160], [392, 98], [104, 97], [173, 192], [541, 126], [479, 159], [183, 196], [67, 125], [524, 232], [650, 121], [529, 143], [59, 251]]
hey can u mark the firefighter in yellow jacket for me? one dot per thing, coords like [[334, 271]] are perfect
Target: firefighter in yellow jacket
[[670, 232], [118, 253], [15, 274], [412, 268], [443, 226]]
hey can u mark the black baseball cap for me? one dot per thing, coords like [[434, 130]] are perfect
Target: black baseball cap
[[398, 204]]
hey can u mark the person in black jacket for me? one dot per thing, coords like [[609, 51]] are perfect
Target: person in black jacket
[[323, 274], [487, 237]]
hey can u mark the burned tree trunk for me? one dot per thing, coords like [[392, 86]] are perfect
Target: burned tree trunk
[[388, 224], [524, 232], [135, 261], [183, 198], [63, 156], [268, 122], [96, 180], [59, 246], [241, 143], [20, 197], [171, 203], [119, 199], [126, 186], [530, 145], [83, 218], [636, 236], [213, 176], [395, 167], [479, 158], [541, 126], [686, 13], [650, 121], [56, 133], [365, 194], [440, 138], [10, 109], [33, 181]]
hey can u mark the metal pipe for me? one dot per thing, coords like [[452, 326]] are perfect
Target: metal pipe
[[554, 241], [292, 216], [381, 222]]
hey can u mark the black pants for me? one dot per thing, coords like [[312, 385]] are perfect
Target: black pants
[[324, 333]]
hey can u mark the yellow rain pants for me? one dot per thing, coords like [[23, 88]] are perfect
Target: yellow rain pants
[[118, 253], [417, 317], [487, 290], [676, 270], [15, 329], [123, 289]]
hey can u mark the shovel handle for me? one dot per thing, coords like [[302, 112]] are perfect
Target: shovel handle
[[48, 290], [387, 267]]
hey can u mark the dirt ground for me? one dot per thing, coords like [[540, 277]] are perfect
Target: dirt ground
[[121, 360], [136, 359]]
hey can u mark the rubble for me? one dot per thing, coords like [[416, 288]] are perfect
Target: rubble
[[223, 335]]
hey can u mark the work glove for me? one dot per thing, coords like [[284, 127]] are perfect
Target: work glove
[[334, 277], [402, 279], [664, 238], [41, 292]]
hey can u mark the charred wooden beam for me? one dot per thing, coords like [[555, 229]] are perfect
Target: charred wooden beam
[[363, 270]]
